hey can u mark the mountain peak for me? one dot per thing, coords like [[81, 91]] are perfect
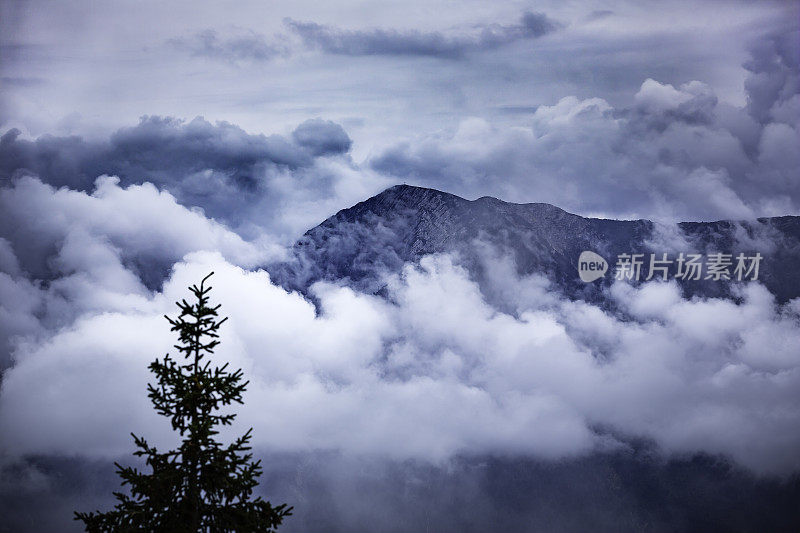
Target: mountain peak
[[361, 244], [413, 193]]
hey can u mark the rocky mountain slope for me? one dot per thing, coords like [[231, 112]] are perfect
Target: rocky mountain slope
[[363, 243]]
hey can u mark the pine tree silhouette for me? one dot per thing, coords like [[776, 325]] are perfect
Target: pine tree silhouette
[[202, 485]]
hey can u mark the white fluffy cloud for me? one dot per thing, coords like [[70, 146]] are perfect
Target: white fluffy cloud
[[430, 372], [64, 253], [138, 220]]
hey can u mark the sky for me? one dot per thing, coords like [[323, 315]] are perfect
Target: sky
[[511, 100], [144, 144]]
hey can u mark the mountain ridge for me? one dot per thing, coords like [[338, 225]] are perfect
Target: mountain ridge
[[359, 245]]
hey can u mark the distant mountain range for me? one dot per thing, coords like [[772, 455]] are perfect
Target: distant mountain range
[[361, 244]]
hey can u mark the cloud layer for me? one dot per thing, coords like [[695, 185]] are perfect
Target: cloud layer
[[429, 372], [424, 371], [675, 153], [449, 397], [248, 181]]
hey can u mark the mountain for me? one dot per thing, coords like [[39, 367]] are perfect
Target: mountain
[[361, 244]]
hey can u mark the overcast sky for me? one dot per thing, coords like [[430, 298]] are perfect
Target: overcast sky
[[149, 142], [386, 70], [588, 105]]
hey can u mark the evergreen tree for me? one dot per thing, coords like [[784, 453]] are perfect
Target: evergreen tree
[[202, 485]]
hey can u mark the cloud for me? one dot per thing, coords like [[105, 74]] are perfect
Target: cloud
[[322, 137], [434, 368], [84, 253], [155, 149], [469, 398], [248, 181], [772, 84], [393, 42], [437, 371], [649, 159], [430, 372], [248, 47]]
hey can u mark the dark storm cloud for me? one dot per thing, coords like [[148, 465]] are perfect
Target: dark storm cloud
[[157, 149], [335, 40], [322, 137], [167, 143], [218, 167], [240, 48]]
